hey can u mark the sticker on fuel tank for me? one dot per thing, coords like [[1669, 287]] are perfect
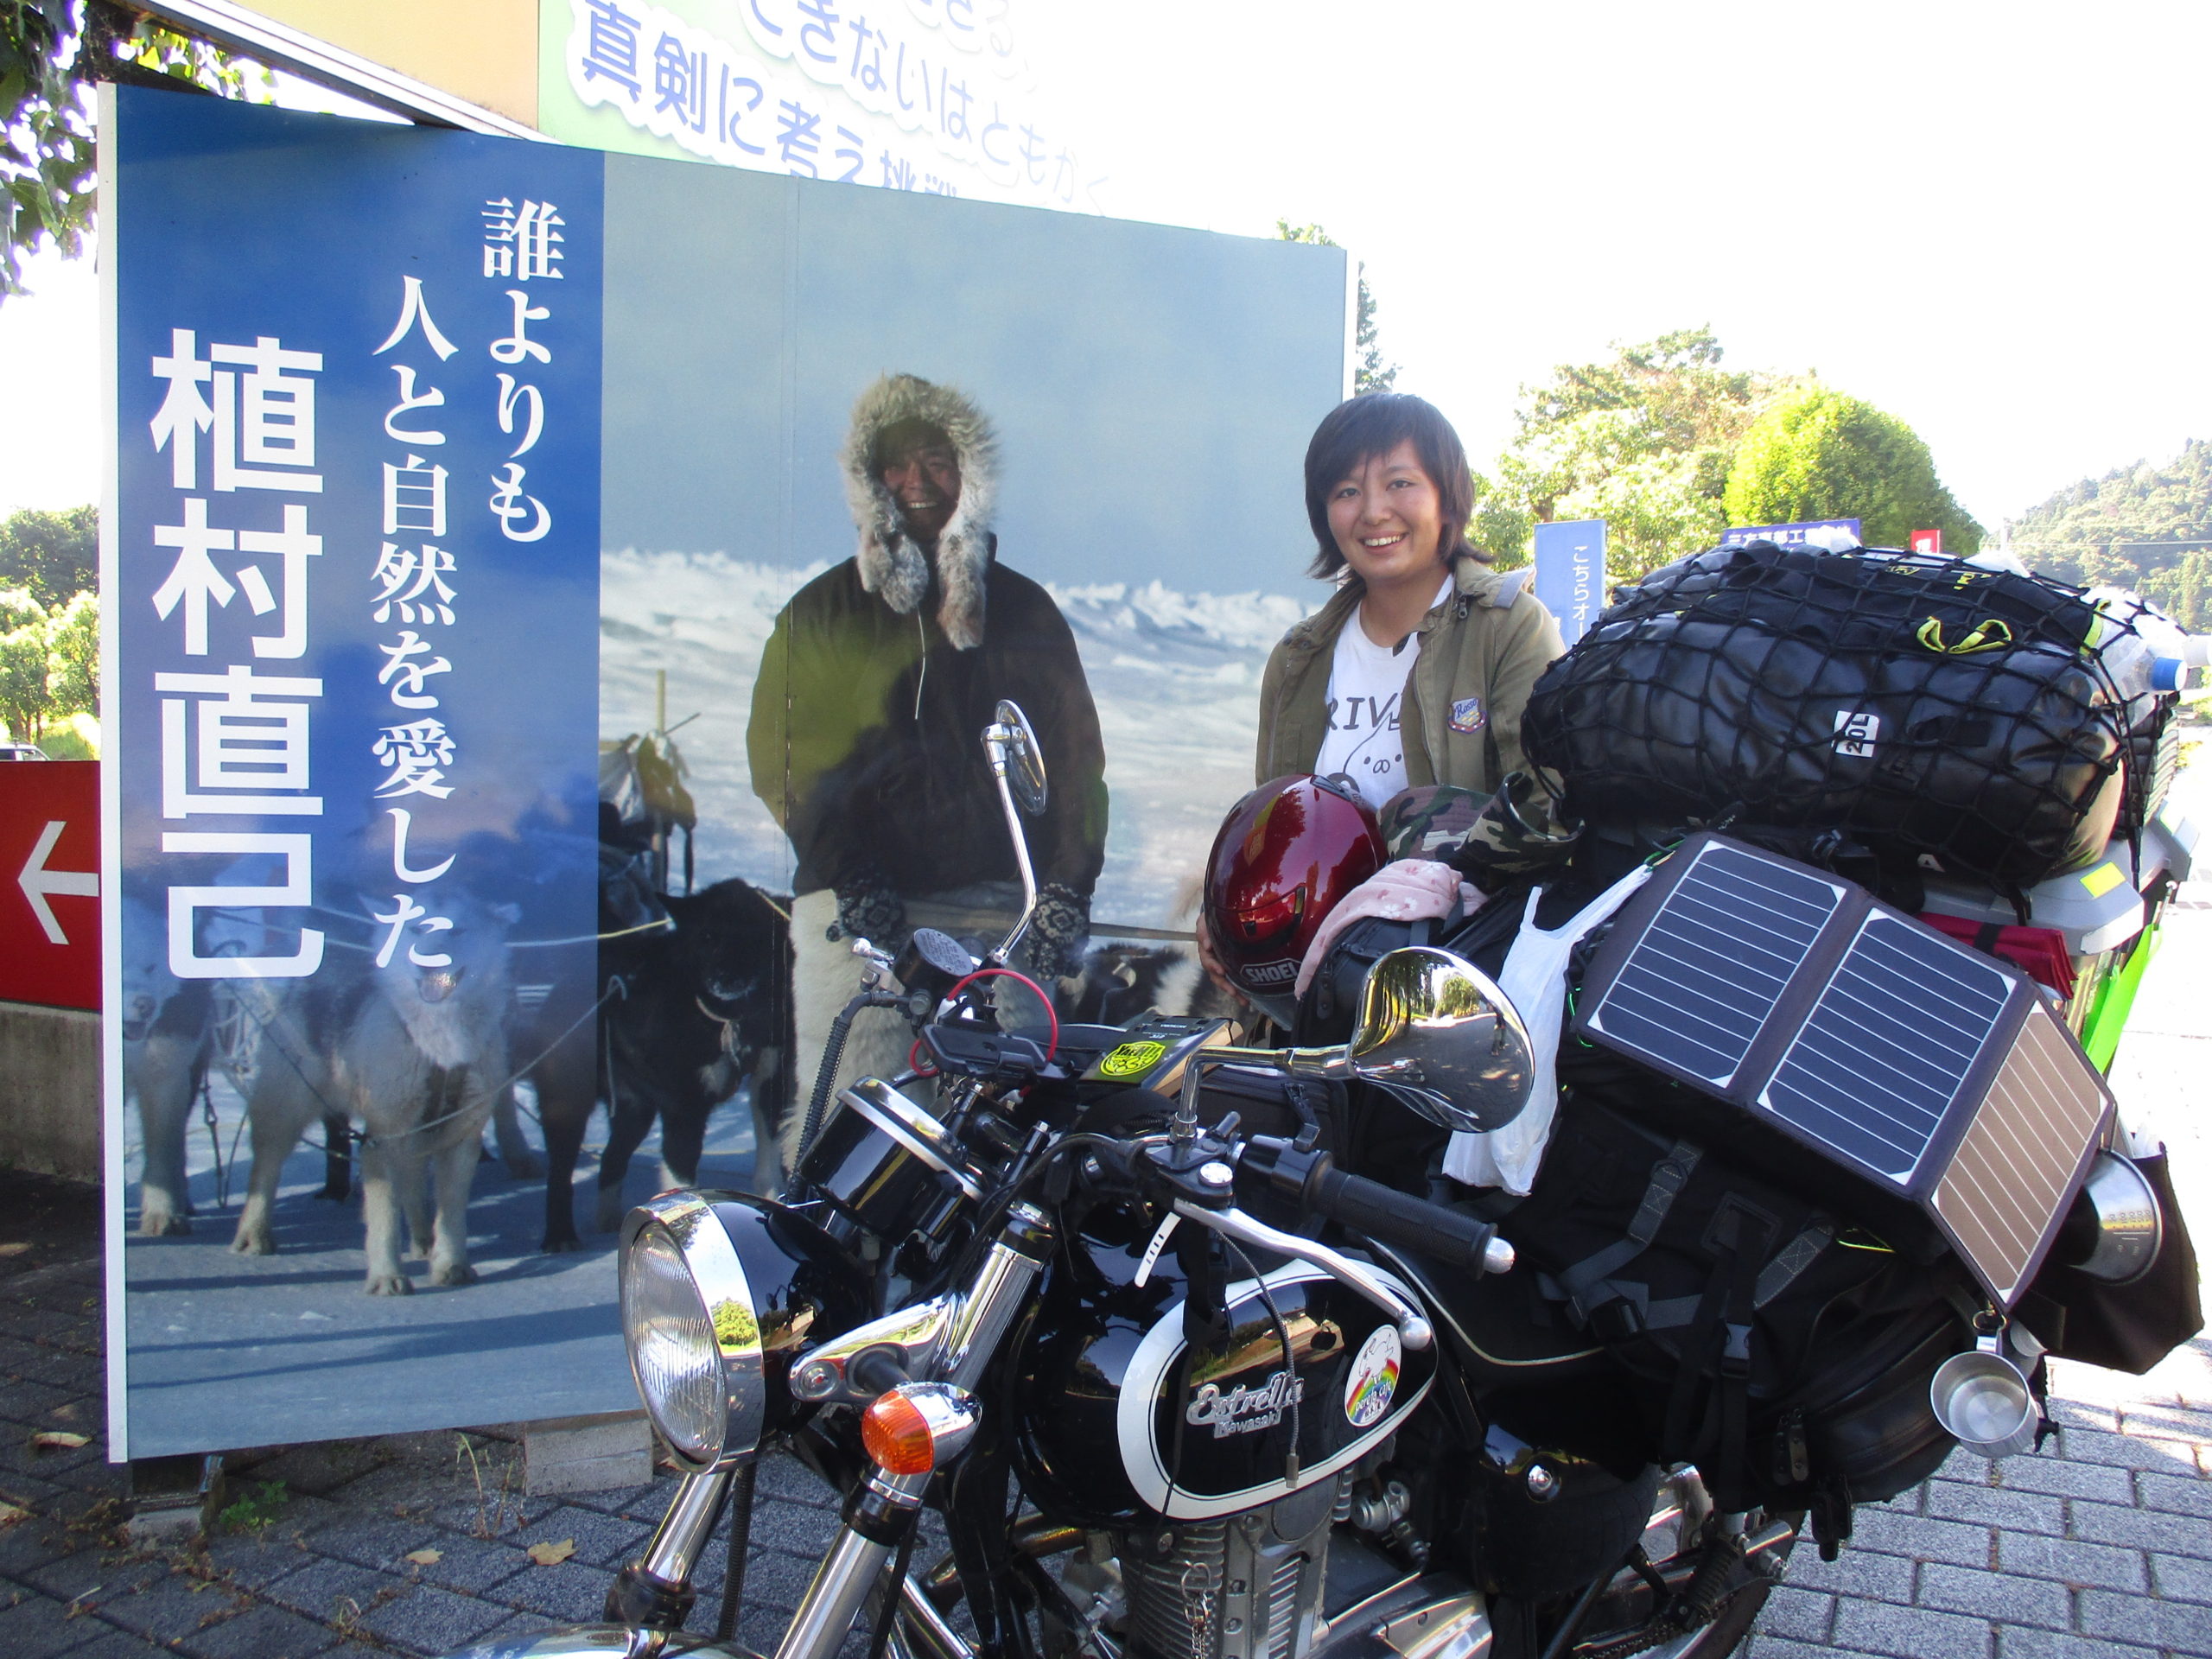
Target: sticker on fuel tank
[[1132, 1059], [1373, 1378]]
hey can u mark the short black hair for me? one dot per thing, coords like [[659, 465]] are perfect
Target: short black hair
[[1374, 423]]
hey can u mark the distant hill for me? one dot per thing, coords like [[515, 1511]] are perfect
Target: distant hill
[[2146, 527]]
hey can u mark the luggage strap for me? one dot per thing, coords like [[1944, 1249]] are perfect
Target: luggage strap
[[1720, 1335], [1573, 1285], [1589, 1287], [1775, 1277]]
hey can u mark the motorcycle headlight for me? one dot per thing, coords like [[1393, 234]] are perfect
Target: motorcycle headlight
[[719, 1292]]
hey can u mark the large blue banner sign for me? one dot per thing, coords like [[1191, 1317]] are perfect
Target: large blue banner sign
[[532, 643], [353, 701], [1571, 573]]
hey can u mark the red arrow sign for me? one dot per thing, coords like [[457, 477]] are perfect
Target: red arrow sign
[[49, 882]]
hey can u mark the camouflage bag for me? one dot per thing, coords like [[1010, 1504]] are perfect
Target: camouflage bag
[[1418, 822], [1491, 839]]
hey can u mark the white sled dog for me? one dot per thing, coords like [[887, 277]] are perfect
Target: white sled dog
[[415, 1050]]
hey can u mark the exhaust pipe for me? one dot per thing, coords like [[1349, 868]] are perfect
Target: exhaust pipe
[[2115, 1228]]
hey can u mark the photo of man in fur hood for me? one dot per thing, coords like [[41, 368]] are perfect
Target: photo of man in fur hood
[[865, 740]]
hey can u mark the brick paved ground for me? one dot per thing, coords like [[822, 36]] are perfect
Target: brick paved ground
[[2102, 1545], [338, 1570]]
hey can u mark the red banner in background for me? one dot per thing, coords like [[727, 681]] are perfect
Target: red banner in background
[[49, 883], [1928, 541]]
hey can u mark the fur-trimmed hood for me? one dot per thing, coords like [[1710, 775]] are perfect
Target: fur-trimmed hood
[[892, 565]]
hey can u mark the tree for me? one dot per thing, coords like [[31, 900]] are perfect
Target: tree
[[2184, 590], [2147, 526], [1642, 439], [45, 157], [1818, 453], [72, 657], [50, 52], [1370, 371], [24, 700], [53, 555]]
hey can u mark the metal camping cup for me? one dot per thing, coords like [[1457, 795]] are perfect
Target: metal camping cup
[[1983, 1401]]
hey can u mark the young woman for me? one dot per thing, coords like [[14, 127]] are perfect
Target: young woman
[[1416, 671]]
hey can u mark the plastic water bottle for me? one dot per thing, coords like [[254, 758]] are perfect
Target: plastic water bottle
[[2122, 649], [2146, 653]]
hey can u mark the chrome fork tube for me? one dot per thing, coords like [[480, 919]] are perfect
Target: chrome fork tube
[[833, 1602], [653, 1596], [1002, 1285], [841, 1585], [673, 1554]]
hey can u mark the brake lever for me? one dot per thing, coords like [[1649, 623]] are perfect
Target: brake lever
[[1414, 1328]]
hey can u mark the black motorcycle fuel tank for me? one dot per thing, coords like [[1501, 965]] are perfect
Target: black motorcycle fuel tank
[[1119, 1418]]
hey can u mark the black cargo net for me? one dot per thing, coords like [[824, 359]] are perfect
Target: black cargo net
[[1969, 721]]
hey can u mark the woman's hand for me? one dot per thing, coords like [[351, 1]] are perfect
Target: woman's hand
[[1211, 963]]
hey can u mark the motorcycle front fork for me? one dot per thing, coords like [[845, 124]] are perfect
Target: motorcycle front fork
[[654, 1593], [879, 1516]]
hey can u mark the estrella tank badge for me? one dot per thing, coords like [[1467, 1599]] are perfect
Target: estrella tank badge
[[1467, 714]]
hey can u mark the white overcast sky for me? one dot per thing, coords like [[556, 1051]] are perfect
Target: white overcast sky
[[1985, 218]]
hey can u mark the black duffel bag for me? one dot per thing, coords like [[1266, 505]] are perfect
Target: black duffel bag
[[1946, 715]]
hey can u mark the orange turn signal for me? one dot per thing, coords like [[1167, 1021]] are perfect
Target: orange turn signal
[[898, 1435]]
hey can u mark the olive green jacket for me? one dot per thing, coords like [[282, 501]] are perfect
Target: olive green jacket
[[1481, 651]]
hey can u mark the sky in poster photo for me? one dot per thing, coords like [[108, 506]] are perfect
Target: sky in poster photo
[[1152, 390]]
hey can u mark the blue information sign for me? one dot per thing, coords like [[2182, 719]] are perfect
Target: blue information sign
[[1571, 573], [452, 475]]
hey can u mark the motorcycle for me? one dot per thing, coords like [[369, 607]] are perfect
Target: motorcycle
[[1100, 1309]]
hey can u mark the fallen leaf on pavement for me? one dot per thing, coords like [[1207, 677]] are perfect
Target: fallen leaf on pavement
[[57, 1438], [552, 1555], [424, 1557], [11, 1513]]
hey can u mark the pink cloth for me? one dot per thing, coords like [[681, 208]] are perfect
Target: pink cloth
[[1403, 892]]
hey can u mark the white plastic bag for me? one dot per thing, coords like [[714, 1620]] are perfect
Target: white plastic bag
[[1534, 979]]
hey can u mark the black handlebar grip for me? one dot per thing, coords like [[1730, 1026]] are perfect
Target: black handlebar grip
[[1395, 1217], [1311, 1178]]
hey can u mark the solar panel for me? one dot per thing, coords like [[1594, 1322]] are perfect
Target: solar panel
[[1916, 1085], [1888, 1045], [1703, 980], [2018, 1158]]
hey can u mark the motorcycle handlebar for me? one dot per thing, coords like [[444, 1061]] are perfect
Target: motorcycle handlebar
[[1383, 1213], [1395, 1217]]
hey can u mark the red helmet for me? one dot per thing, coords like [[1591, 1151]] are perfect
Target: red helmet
[[1287, 856]]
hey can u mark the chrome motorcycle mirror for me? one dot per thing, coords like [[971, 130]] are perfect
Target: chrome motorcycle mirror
[[1016, 755], [1017, 765], [1435, 1030]]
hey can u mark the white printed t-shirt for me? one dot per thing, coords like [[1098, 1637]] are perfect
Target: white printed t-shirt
[[1366, 687]]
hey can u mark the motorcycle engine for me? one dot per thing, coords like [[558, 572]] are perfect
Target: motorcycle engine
[[1242, 1587]]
